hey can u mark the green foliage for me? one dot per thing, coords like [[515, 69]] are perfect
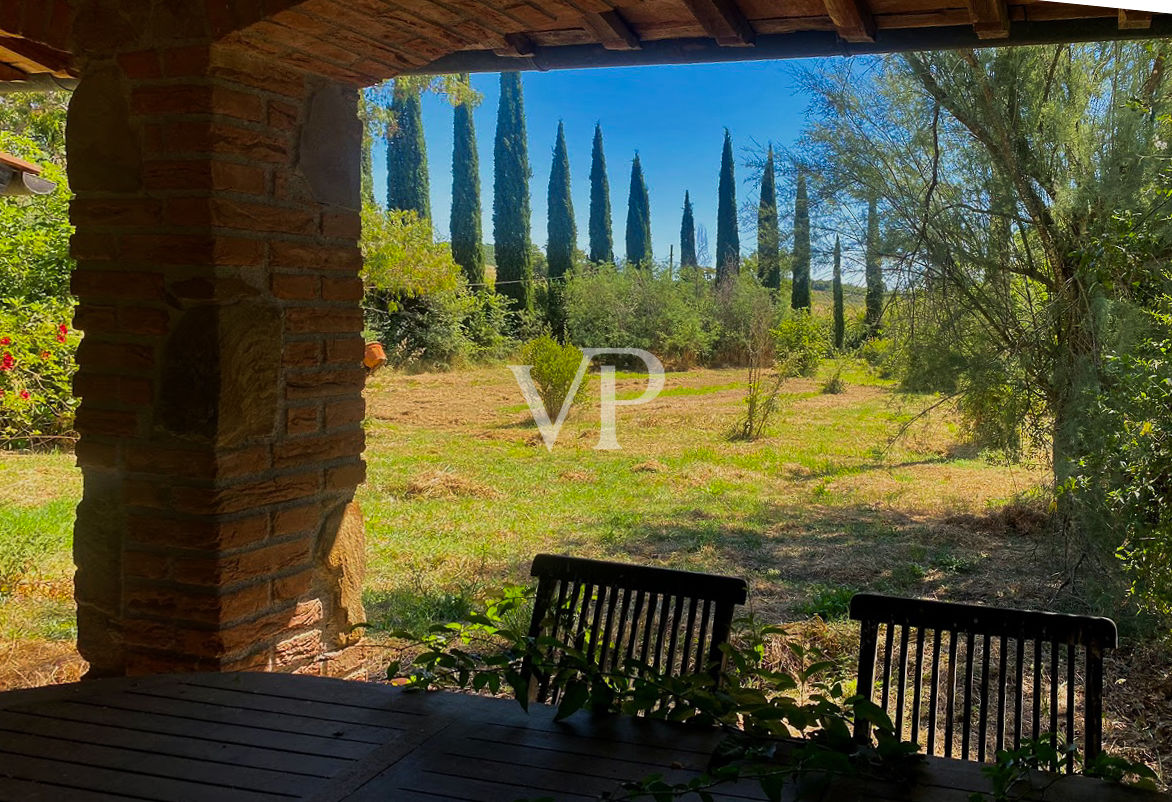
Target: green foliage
[[829, 602], [627, 307], [835, 384], [800, 290], [742, 303], [511, 210], [638, 218], [768, 236], [688, 235], [408, 187], [562, 231], [37, 363], [601, 233], [751, 701], [839, 311], [554, 368], [30, 536], [467, 237], [35, 232], [728, 238], [1013, 769], [400, 259], [873, 269], [800, 340]]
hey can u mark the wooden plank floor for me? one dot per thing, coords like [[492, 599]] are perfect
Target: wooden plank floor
[[254, 737]]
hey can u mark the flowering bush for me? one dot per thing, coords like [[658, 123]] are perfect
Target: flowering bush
[[37, 363]]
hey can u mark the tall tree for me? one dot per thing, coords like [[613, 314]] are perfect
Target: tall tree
[[638, 218], [601, 233], [562, 232], [768, 236], [408, 187], [839, 311], [728, 238], [510, 213], [688, 235], [874, 269], [467, 237], [800, 295]]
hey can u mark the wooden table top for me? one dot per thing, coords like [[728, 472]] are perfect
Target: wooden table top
[[271, 737]]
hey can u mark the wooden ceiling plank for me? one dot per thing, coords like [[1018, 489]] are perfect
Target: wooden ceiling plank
[[990, 18], [35, 57], [1134, 20], [612, 30], [724, 22], [852, 19], [520, 45]]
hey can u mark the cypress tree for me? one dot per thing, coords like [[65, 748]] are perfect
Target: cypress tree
[[728, 238], [688, 235], [800, 296], [839, 311], [510, 213], [768, 237], [562, 232], [874, 270], [638, 218], [467, 237], [407, 183], [601, 234]]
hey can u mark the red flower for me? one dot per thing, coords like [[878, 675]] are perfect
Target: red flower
[[7, 362], [44, 354], [24, 394], [5, 341]]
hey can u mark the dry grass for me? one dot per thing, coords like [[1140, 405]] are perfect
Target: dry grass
[[445, 484]]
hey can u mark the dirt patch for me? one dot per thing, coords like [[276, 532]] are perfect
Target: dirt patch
[[33, 663]]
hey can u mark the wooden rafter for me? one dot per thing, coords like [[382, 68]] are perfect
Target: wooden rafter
[[33, 57], [852, 19], [518, 45], [990, 18], [724, 21], [1134, 20], [612, 30]]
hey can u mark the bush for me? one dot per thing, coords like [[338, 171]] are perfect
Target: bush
[[554, 368], [37, 363], [35, 232], [800, 341], [741, 305]]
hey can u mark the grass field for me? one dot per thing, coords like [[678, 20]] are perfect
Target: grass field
[[461, 493]]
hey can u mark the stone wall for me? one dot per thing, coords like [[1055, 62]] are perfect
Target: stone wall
[[217, 195]]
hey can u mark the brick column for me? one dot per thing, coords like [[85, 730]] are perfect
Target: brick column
[[220, 373]]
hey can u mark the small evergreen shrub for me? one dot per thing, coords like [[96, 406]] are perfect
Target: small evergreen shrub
[[554, 367], [800, 341], [834, 385], [37, 363]]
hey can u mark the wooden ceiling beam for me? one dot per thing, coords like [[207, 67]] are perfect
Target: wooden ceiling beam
[[517, 45], [724, 21], [35, 57], [612, 30], [852, 19], [1134, 20], [990, 18]]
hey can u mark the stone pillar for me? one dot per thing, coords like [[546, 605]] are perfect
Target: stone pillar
[[217, 198]]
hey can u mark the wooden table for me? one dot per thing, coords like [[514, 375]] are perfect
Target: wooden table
[[270, 737]]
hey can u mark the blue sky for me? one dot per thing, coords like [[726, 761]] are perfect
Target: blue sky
[[673, 116]]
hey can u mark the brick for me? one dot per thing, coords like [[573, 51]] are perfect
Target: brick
[[145, 564], [346, 477], [249, 566], [143, 320], [301, 420], [107, 422], [96, 355], [91, 454], [244, 461], [246, 495], [196, 604], [202, 251], [342, 289], [60, 24], [322, 320], [297, 520], [324, 383], [344, 413], [186, 463], [292, 587], [189, 533], [304, 256], [258, 661], [241, 68], [141, 64], [216, 137], [296, 287], [302, 353], [300, 647], [197, 99], [89, 246], [153, 492], [348, 350], [109, 388], [304, 451], [282, 115], [92, 318], [123, 212], [205, 174], [187, 61], [120, 285]]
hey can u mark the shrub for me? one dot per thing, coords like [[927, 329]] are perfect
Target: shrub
[[37, 363], [554, 368], [35, 232], [834, 385], [800, 341], [741, 305]]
